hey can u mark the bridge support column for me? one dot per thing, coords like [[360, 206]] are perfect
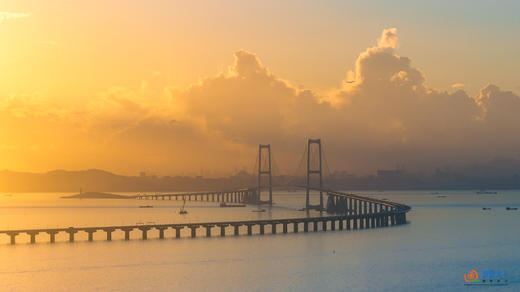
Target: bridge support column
[[144, 230], [71, 231], [355, 222], [222, 229], [33, 236], [178, 231], [127, 231], [208, 230], [262, 228], [305, 226], [13, 236], [348, 223], [52, 235], [324, 225], [109, 233], [284, 227], [295, 227], [315, 223], [236, 226], [333, 224], [249, 229], [90, 233], [161, 231], [361, 222], [193, 230], [273, 228], [341, 223]]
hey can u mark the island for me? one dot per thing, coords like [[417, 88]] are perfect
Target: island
[[95, 195]]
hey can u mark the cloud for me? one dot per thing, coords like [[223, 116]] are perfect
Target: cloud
[[457, 85], [4, 15], [384, 115]]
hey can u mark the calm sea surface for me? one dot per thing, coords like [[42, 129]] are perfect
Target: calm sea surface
[[445, 238]]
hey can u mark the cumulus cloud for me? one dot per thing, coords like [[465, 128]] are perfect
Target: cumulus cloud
[[4, 15], [384, 115]]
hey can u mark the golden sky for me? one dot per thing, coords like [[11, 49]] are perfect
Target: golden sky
[[174, 87]]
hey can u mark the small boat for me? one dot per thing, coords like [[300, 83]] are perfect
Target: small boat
[[484, 192], [183, 211], [486, 208], [224, 205], [511, 208], [146, 206]]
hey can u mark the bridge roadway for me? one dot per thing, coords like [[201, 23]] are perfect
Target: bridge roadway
[[351, 212]]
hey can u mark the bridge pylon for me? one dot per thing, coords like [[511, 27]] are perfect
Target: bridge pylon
[[313, 170], [262, 149]]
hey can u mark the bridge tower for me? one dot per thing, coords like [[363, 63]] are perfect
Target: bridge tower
[[262, 149], [313, 170]]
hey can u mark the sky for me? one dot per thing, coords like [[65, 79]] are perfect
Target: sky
[[192, 87]]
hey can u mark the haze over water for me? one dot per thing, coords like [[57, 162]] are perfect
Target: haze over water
[[445, 238]]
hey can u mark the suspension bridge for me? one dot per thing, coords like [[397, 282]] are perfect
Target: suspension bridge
[[345, 211]]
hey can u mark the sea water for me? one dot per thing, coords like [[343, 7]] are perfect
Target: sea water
[[445, 238]]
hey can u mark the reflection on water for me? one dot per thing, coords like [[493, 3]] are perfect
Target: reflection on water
[[446, 238]]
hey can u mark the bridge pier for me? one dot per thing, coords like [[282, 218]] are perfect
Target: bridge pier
[[341, 224], [144, 230], [236, 227], [222, 228], [355, 222], [109, 231], [178, 230], [13, 235], [315, 223], [333, 224], [295, 227], [208, 230], [305, 226], [161, 231], [284, 227], [52, 235], [90, 233], [361, 223], [193, 230], [261, 228], [33, 236], [249, 229], [324, 225], [273, 227], [127, 231], [71, 231], [348, 222]]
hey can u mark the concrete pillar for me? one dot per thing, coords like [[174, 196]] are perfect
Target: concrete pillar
[[127, 231], [361, 222], [333, 224], [144, 230], [90, 233], [33, 236], [324, 225], [295, 227], [161, 231], [341, 223], [178, 231], [52, 235], [236, 226], [348, 223], [208, 230], [222, 229], [284, 227], [273, 228], [249, 229], [13, 236], [316, 222], [71, 231], [193, 230], [305, 226], [262, 228], [109, 233]]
